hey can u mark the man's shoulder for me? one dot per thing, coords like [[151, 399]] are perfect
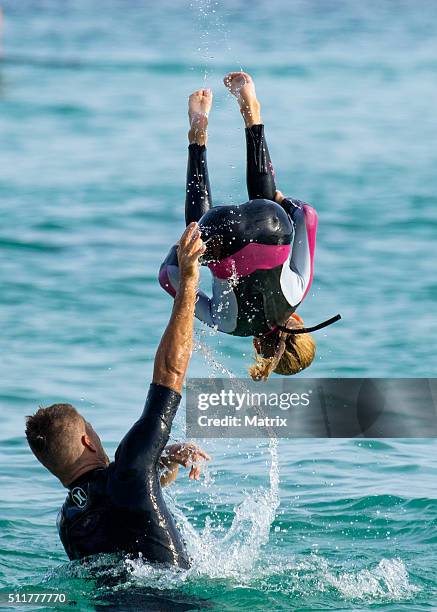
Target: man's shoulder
[[85, 519], [86, 491]]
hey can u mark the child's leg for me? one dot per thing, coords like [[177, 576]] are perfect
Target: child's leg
[[260, 176], [198, 191]]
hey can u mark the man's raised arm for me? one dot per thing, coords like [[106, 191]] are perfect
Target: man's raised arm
[[140, 449], [174, 351]]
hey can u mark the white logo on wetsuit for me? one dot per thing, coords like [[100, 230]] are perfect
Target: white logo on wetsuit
[[79, 497]]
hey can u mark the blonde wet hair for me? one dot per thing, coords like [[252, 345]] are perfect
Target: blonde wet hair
[[283, 353]]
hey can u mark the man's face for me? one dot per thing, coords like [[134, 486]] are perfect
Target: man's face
[[92, 435]]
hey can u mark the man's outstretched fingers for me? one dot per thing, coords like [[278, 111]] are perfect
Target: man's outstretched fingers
[[186, 454], [194, 472], [198, 453], [195, 451], [198, 247], [195, 248], [188, 233], [191, 240], [189, 250]]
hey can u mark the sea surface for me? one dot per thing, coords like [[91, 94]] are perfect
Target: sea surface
[[93, 125]]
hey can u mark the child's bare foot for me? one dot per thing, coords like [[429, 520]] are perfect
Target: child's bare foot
[[199, 105], [241, 85]]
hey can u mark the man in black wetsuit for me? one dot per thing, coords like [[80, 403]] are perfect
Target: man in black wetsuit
[[119, 506]]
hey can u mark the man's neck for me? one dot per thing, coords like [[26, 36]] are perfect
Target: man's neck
[[81, 470]]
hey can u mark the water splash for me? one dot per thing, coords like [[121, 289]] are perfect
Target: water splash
[[215, 551], [312, 575], [215, 366], [220, 553], [388, 580], [229, 570], [213, 35]]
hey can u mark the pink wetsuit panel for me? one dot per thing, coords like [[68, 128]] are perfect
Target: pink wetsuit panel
[[311, 227], [250, 258]]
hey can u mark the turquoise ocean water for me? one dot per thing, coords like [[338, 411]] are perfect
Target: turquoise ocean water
[[92, 166]]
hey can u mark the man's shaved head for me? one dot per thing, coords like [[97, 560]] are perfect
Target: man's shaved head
[[55, 437]]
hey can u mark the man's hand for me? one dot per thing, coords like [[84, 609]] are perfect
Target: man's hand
[[279, 196], [186, 454], [174, 350], [190, 248]]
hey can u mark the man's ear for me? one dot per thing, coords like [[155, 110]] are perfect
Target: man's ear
[[87, 442]]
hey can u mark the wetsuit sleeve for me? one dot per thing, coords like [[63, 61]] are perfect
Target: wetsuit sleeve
[[297, 278], [169, 280], [141, 448], [198, 190], [169, 277], [169, 272], [218, 311]]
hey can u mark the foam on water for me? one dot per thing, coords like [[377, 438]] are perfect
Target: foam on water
[[235, 559], [388, 580]]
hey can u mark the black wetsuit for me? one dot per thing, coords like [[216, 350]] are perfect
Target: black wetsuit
[[121, 507], [260, 253]]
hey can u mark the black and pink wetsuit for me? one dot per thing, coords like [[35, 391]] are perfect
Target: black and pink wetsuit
[[260, 253]]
